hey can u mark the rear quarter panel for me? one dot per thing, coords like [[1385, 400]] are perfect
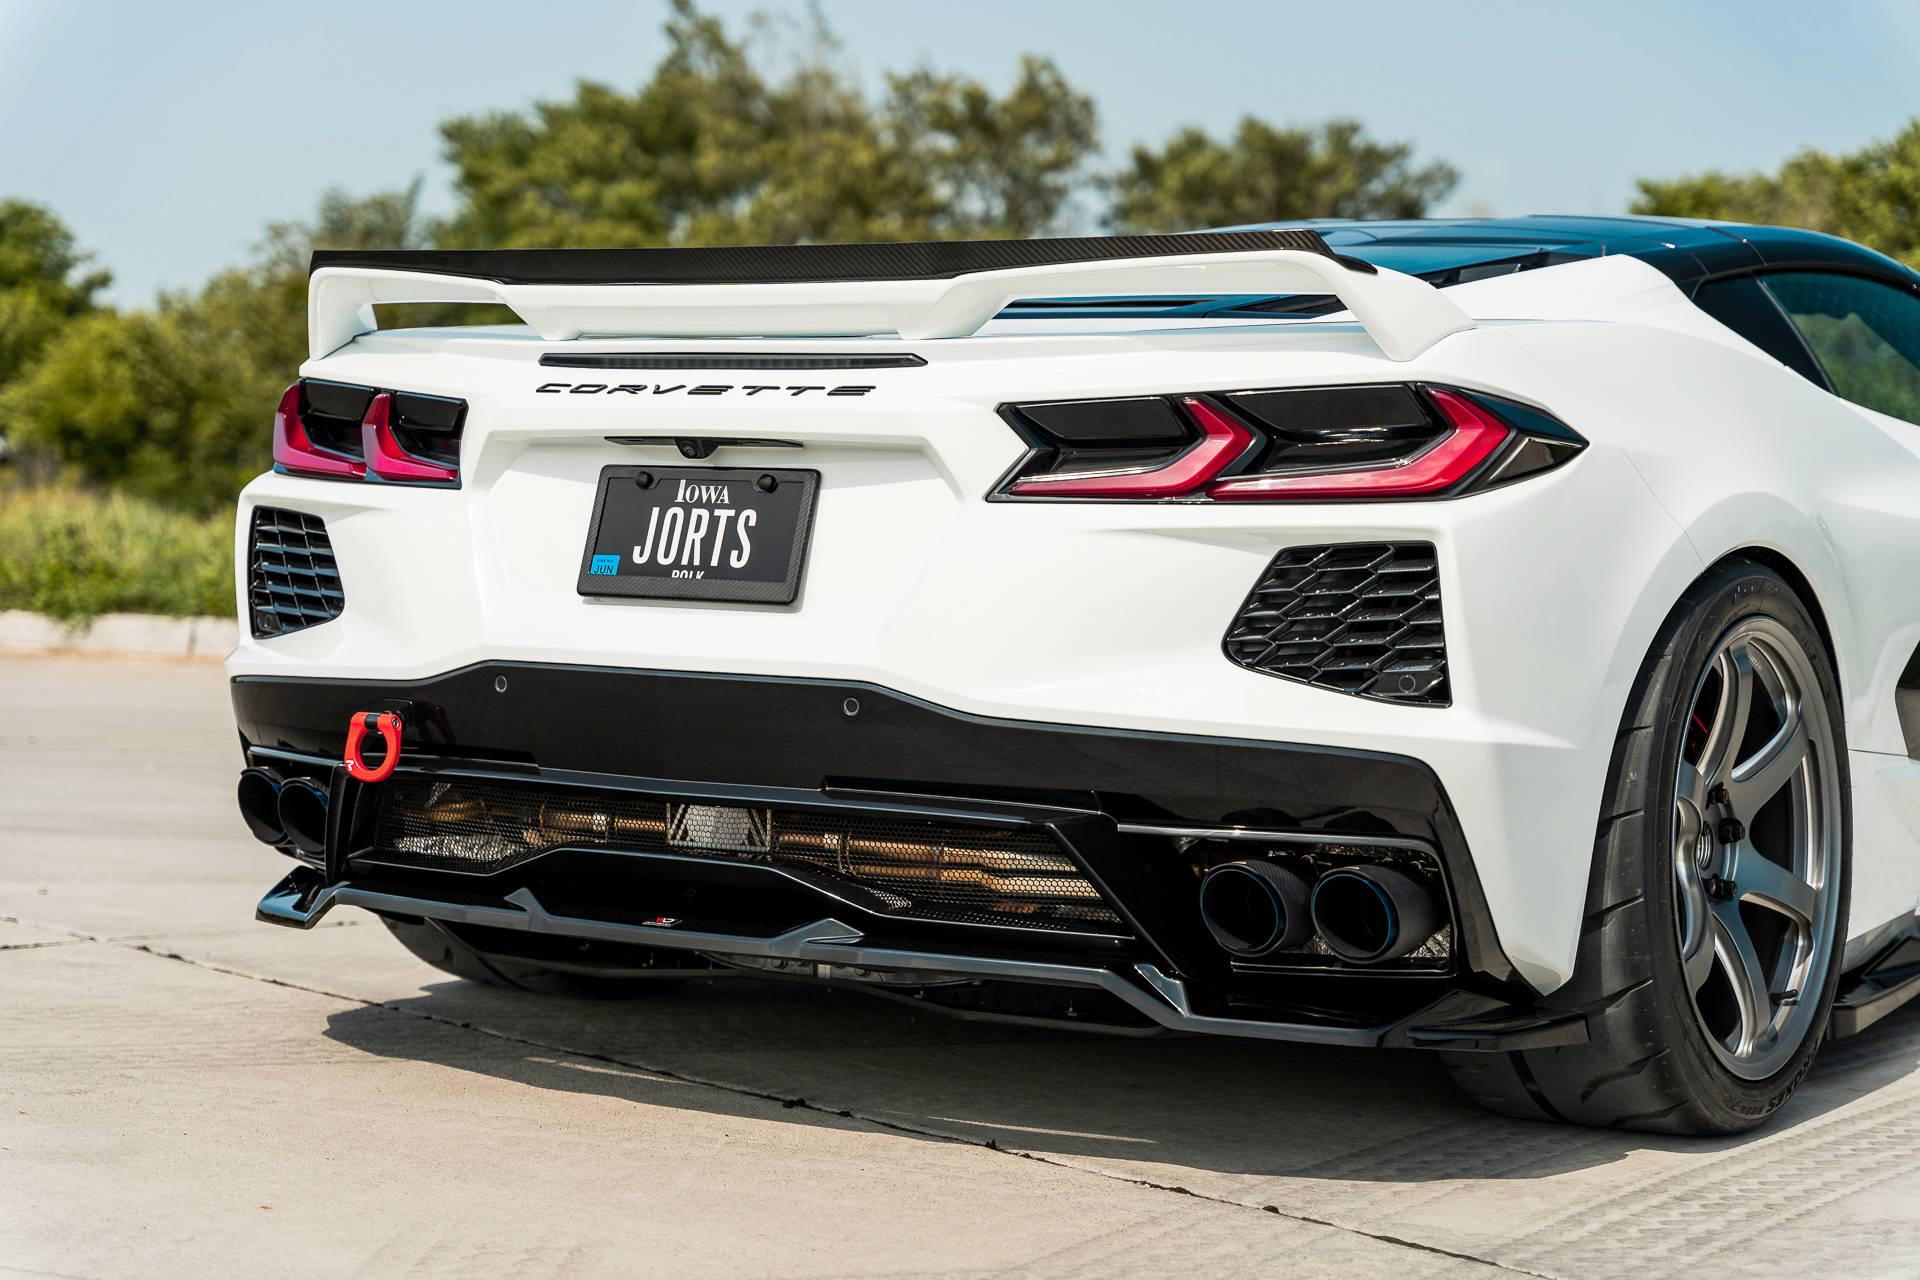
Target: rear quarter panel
[[1744, 454]]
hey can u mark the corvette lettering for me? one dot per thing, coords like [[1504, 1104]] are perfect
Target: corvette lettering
[[681, 388]]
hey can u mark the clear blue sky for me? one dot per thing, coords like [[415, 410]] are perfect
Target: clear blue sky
[[167, 135]]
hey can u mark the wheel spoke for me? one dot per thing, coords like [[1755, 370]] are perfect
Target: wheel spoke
[[1692, 908], [1772, 885], [1755, 781], [1729, 726], [1752, 992], [1699, 962], [1692, 792]]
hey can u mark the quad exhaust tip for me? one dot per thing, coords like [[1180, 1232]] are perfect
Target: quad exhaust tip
[[303, 816], [1254, 908], [1371, 914], [260, 806]]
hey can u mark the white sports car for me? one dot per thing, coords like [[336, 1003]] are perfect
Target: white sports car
[[1494, 636]]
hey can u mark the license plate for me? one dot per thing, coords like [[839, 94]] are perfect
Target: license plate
[[699, 533]]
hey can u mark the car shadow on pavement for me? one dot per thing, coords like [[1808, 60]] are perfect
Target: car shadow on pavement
[[1224, 1106]]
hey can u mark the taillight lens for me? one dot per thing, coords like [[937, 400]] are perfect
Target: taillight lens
[[294, 451], [341, 431], [388, 459], [1320, 444], [1222, 440]]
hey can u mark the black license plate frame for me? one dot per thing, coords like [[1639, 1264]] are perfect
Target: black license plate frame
[[621, 505]]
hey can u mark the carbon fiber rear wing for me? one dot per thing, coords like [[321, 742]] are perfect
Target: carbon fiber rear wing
[[919, 291]]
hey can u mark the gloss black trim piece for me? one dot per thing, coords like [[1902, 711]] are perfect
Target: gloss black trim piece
[[771, 731], [838, 738], [703, 446], [727, 360], [1889, 979], [808, 263], [1741, 304], [1359, 618], [293, 581], [1457, 1019]]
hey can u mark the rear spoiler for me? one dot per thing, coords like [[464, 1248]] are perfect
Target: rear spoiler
[[919, 291]]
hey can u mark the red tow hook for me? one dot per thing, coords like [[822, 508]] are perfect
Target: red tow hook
[[387, 724]]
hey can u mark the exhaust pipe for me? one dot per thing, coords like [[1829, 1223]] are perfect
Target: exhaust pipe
[[303, 816], [1253, 908], [260, 806], [1369, 914]]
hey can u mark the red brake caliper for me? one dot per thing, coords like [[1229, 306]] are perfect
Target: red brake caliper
[[387, 725]]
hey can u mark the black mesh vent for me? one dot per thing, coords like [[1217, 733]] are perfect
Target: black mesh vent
[[1358, 617], [292, 580], [912, 867]]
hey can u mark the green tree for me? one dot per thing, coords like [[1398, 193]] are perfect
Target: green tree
[[712, 150], [42, 285], [175, 403], [1272, 174], [149, 402], [1871, 195]]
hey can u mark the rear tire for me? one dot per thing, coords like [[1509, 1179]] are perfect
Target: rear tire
[[1688, 1030], [443, 951]]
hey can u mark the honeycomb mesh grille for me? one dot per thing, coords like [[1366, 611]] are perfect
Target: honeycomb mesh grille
[[292, 580], [913, 867], [1358, 617]]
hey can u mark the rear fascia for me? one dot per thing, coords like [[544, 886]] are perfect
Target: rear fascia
[[1105, 616]]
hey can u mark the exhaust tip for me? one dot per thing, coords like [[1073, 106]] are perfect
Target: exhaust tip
[[259, 797], [1367, 915], [1253, 908], [303, 816]]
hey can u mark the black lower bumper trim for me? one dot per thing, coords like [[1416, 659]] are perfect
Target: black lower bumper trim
[[1457, 1020], [835, 738], [764, 731]]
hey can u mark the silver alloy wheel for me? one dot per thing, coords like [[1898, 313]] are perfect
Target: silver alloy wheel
[[1756, 847]]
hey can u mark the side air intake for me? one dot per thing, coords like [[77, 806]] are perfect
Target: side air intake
[[292, 580], [1356, 617]]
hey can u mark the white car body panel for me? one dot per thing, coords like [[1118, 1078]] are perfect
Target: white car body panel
[[1112, 614]]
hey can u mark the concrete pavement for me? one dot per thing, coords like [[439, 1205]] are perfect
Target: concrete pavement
[[184, 1092]]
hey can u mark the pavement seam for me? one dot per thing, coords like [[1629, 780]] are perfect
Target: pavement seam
[[801, 1104], [73, 935]]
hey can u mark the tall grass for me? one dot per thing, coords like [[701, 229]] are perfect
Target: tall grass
[[73, 555]]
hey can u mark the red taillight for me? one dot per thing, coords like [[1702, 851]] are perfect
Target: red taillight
[[1341, 443], [345, 431], [1222, 440], [295, 453], [1441, 465], [385, 456]]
